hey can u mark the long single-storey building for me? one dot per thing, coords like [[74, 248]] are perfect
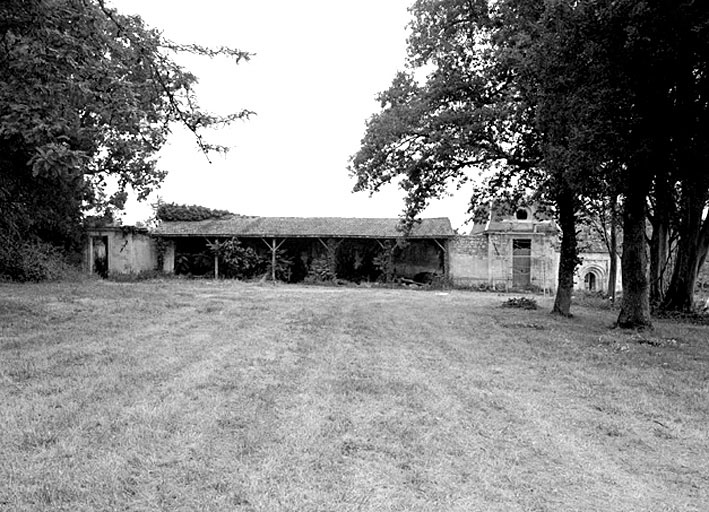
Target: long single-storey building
[[514, 251], [351, 245], [357, 249]]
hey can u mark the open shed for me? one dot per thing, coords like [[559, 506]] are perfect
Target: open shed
[[356, 249]]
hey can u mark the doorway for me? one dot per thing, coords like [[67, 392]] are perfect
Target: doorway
[[100, 255], [590, 282], [521, 262]]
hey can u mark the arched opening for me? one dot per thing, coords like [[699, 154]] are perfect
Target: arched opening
[[522, 214], [590, 282]]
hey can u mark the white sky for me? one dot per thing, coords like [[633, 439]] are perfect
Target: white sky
[[312, 83]]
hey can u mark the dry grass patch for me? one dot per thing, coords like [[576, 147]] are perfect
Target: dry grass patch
[[184, 395]]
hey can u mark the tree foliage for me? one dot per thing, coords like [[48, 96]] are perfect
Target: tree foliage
[[576, 100], [88, 97], [503, 97], [182, 212]]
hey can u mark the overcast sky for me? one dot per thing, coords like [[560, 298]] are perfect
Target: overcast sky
[[312, 83]]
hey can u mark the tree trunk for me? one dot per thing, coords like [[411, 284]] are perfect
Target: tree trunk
[[613, 250], [660, 240], [635, 306], [703, 244], [693, 238], [680, 294], [659, 251], [568, 254]]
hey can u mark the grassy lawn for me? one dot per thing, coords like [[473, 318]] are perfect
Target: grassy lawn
[[191, 396]]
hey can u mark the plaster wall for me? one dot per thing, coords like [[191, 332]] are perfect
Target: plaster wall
[[128, 252], [168, 263]]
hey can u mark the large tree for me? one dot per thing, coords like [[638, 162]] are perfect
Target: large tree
[[659, 62], [87, 98], [505, 92], [573, 98], [685, 36]]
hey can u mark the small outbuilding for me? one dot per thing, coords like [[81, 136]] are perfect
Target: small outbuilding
[[119, 250]]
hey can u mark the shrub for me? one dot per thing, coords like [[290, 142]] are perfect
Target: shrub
[[284, 267], [520, 303], [237, 261], [320, 270], [32, 261], [194, 263], [384, 262]]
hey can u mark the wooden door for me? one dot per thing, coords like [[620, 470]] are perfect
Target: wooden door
[[521, 262]]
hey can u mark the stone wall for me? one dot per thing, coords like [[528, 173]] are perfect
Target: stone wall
[[468, 261], [485, 260], [597, 263]]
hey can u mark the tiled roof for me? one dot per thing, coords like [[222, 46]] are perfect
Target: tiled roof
[[294, 227]]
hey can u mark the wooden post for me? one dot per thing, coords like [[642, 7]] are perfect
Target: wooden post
[[90, 255], [215, 247], [273, 261], [446, 258], [274, 247]]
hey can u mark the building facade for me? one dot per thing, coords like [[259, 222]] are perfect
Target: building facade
[[519, 250], [512, 251]]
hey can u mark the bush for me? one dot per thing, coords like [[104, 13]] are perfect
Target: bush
[[195, 264], [384, 262], [32, 261], [320, 270], [284, 267], [237, 261], [520, 303]]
